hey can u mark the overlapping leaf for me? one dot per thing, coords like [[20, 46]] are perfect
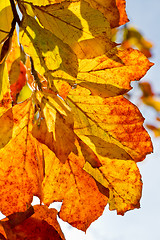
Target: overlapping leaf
[[109, 124], [78, 25], [48, 52], [123, 180], [113, 10], [110, 74], [25, 167], [55, 125]]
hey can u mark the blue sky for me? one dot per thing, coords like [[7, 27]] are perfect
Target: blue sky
[[143, 223]]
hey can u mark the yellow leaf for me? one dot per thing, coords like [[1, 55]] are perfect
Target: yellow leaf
[[47, 51], [123, 180], [113, 10], [6, 18], [5, 100], [80, 150], [76, 22], [23, 168], [42, 2]]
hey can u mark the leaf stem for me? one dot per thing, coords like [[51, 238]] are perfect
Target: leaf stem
[[35, 75]]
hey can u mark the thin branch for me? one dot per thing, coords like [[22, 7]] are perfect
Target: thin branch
[[14, 10]]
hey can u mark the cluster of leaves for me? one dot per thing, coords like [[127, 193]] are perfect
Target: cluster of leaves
[[131, 37], [67, 132], [151, 99]]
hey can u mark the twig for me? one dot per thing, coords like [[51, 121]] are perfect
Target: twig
[[14, 10]]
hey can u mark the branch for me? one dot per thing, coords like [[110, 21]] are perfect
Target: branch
[[14, 10]]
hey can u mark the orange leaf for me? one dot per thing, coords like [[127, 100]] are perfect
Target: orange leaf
[[20, 173], [103, 121], [110, 75], [41, 225], [82, 203]]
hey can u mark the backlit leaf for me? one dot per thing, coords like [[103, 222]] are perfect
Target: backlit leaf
[[76, 139], [152, 101], [42, 2], [5, 99], [48, 52], [110, 75], [108, 125], [133, 38], [123, 180], [6, 18], [155, 129], [78, 25], [149, 97], [55, 125]]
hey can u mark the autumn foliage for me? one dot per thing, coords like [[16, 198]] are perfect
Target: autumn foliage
[[67, 132]]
